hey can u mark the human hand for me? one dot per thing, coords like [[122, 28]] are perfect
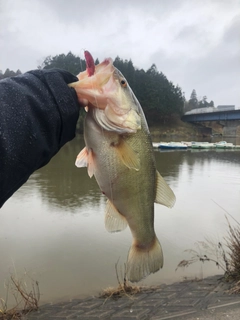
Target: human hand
[[70, 78]]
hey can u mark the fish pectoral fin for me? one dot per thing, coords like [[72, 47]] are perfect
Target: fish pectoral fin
[[128, 156], [85, 159], [143, 260], [164, 194], [82, 158], [114, 220]]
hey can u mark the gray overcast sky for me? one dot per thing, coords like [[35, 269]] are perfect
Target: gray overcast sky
[[195, 43]]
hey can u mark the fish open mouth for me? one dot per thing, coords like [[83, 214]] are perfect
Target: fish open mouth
[[104, 89]]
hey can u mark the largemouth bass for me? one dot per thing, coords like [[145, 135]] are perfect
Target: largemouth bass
[[124, 167]]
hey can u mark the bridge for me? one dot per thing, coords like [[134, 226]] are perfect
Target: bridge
[[230, 120], [212, 116]]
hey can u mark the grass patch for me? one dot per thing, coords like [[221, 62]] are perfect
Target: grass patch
[[25, 292], [207, 251], [124, 287], [225, 255]]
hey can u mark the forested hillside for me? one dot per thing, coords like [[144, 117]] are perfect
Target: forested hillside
[[160, 98], [162, 101]]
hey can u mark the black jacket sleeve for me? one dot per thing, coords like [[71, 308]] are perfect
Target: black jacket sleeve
[[38, 115]]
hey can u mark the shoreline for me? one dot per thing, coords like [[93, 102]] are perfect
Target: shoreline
[[201, 299]]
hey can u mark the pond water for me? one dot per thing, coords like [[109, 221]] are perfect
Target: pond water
[[53, 227]]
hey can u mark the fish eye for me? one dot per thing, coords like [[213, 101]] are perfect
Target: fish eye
[[123, 83]]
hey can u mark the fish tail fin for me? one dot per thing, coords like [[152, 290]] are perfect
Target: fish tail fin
[[143, 261]]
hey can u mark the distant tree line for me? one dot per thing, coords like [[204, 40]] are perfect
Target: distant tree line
[[194, 102], [160, 98], [9, 73]]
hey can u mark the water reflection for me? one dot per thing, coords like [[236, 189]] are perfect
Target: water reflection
[[62, 184], [65, 186], [171, 163]]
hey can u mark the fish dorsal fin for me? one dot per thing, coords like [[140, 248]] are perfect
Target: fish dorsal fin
[[85, 159], [164, 194], [114, 221], [128, 156]]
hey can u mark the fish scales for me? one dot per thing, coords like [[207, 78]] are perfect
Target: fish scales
[[132, 192], [123, 164]]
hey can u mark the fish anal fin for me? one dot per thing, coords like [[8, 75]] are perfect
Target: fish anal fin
[[143, 261], [128, 156], [164, 194], [114, 221], [85, 159]]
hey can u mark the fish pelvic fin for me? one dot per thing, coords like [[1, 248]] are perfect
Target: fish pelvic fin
[[128, 156], [114, 220], [85, 159], [143, 261], [164, 194]]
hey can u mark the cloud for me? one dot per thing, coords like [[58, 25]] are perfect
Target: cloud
[[194, 43], [208, 62]]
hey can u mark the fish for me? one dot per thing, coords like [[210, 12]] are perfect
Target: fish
[[124, 167], [98, 87]]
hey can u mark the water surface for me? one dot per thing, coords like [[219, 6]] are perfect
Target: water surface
[[53, 227]]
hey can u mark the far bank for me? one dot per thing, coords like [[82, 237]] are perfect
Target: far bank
[[177, 128]]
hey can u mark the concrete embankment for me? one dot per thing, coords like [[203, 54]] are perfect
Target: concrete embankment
[[205, 299]]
